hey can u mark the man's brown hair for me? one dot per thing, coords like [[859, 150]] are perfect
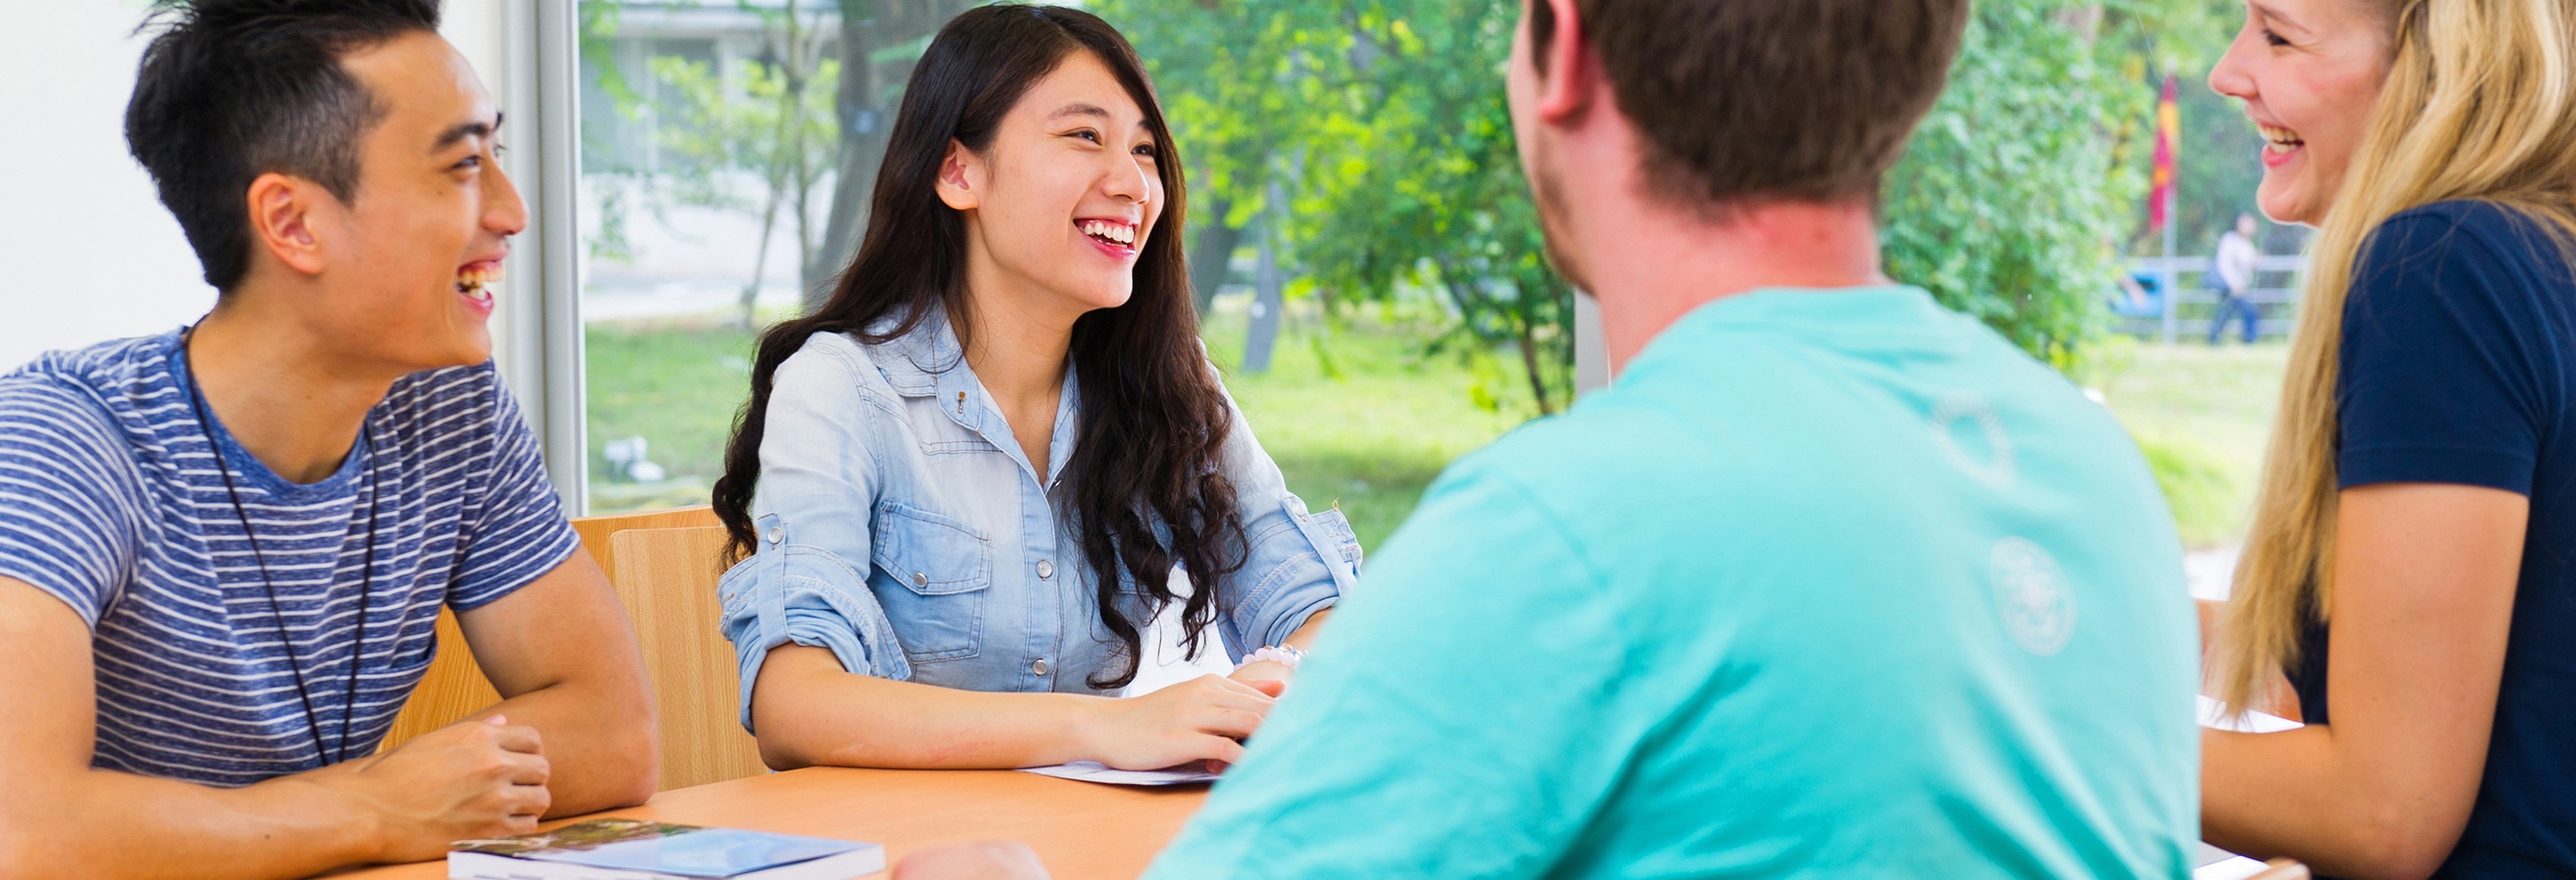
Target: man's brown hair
[[1758, 100]]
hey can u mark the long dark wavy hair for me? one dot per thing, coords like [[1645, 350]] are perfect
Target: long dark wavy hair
[[1153, 418]]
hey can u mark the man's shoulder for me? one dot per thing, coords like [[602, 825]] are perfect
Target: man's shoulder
[[1613, 465], [98, 392], [116, 367]]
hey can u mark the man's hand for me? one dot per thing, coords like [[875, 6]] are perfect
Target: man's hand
[[480, 778], [1203, 719], [562, 651], [990, 860]]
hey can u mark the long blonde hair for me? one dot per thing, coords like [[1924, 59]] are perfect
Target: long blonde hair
[[2480, 103]]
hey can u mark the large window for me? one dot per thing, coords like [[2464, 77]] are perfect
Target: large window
[[727, 151], [728, 147], [1371, 266]]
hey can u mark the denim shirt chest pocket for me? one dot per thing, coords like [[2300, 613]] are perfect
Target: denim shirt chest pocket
[[932, 574]]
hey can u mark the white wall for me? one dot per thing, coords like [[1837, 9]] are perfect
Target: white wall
[[91, 253]]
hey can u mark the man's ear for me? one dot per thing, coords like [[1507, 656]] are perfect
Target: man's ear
[[1569, 69], [961, 178], [282, 220]]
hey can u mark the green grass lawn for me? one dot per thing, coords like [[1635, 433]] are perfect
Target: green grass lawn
[[1357, 417], [2201, 415], [675, 384]]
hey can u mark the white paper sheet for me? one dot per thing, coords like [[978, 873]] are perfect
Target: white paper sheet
[[1094, 771], [2214, 714]]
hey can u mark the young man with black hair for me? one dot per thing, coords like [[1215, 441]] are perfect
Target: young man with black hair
[[1831, 582], [223, 550]]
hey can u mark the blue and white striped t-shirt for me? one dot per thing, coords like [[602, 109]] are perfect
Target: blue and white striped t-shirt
[[110, 500]]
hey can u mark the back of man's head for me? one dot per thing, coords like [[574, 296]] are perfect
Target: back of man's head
[[1742, 101], [232, 89]]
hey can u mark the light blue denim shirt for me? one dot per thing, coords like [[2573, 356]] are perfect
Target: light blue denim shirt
[[901, 527]]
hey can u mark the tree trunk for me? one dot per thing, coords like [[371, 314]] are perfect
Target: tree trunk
[[759, 262], [866, 118], [1210, 255], [1529, 362], [863, 142], [1269, 299]]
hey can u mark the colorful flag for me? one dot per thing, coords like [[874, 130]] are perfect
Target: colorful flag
[[2168, 133]]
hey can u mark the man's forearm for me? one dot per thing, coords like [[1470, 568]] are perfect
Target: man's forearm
[[110, 824], [603, 758]]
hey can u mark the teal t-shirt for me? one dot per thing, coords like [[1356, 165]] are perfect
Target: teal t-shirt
[[1830, 583]]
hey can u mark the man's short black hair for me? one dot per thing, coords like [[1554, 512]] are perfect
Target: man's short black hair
[[233, 89]]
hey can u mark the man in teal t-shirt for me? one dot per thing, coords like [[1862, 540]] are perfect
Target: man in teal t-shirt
[[1832, 582]]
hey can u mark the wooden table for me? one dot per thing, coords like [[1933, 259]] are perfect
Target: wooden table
[[1084, 831]]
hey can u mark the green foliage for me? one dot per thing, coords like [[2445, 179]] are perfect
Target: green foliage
[[764, 125], [1383, 121], [2016, 188], [1369, 435]]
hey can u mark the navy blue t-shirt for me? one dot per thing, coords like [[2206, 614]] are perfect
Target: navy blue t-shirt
[[2458, 362]]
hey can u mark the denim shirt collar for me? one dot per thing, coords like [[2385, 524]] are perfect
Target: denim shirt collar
[[929, 362]]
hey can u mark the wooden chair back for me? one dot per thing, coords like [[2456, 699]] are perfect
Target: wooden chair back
[[454, 687], [667, 578]]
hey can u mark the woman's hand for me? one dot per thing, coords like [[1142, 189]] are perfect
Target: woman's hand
[[1262, 673], [1203, 719]]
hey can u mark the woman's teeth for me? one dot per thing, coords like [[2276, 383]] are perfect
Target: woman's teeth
[[1117, 233], [476, 282], [2281, 140]]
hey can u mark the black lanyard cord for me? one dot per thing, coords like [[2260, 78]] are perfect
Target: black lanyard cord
[[366, 576]]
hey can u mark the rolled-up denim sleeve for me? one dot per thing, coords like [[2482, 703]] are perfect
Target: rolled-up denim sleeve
[[790, 593], [806, 583], [1298, 562]]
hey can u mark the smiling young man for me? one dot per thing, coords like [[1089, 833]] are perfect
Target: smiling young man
[[223, 550], [1831, 582]]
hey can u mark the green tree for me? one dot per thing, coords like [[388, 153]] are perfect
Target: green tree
[[2016, 195], [1383, 122]]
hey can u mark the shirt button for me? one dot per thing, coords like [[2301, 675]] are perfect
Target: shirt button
[[1045, 569], [920, 580], [776, 534], [1040, 667]]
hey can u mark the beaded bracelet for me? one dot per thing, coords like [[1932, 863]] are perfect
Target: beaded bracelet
[[1284, 655]]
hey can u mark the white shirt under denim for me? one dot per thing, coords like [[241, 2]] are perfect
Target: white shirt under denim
[[901, 527]]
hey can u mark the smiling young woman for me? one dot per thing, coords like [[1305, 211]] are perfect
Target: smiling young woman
[[961, 488], [2407, 569]]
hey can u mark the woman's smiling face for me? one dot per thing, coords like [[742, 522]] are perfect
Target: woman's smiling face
[[1064, 199], [2309, 72]]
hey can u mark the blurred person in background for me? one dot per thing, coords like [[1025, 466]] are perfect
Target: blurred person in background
[[2233, 269]]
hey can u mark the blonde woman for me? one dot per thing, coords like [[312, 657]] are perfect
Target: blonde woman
[[2412, 567]]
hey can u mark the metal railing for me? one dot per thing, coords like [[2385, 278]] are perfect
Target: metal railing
[[2188, 313]]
